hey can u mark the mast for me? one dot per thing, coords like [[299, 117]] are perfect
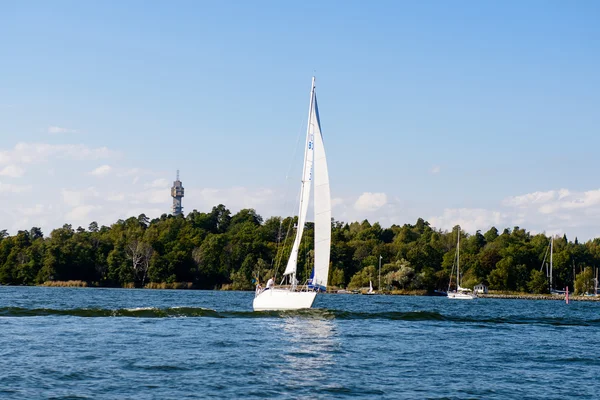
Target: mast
[[458, 261], [551, 251], [304, 191], [379, 282]]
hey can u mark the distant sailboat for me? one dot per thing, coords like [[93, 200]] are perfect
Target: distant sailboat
[[370, 291], [294, 298], [460, 292], [549, 270]]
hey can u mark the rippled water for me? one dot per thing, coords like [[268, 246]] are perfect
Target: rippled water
[[141, 344]]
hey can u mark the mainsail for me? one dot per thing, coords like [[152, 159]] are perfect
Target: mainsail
[[314, 154], [322, 206]]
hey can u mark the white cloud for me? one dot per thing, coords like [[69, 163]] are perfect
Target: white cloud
[[237, 198], [557, 210], [38, 209], [10, 188], [370, 201], [12, 171], [27, 153], [125, 172], [136, 190], [116, 197], [336, 201], [102, 170], [553, 211], [80, 214], [58, 129], [76, 198], [105, 205], [158, 183], [531, 198], [153, 196], [554, 200], [469, 219], [136, 173]]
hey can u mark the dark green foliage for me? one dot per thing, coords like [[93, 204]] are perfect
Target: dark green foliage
[[584, 282], [538, 283], [217, 248]]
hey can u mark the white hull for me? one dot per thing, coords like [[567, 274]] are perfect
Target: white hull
[[462, 296], [283, 299]]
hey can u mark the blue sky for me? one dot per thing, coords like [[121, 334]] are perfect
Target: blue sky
[[478, 113]]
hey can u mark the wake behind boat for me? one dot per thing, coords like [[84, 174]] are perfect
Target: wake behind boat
[[315, 166]]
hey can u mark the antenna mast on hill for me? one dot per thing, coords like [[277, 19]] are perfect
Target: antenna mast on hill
[[177, 194]]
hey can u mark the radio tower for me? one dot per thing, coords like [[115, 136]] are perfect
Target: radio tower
[[177, 194]]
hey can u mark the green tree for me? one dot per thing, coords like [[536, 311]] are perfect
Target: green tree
[[363, 277], [584, 281], [538, 283]]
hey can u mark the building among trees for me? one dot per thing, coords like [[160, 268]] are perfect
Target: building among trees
[[481, 288]]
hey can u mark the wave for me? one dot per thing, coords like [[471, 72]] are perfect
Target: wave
[[315, 313], [138, 312]]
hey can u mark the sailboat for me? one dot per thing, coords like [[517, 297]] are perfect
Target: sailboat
[[294, 297], [460, 292], [370, 291], [549, 272]]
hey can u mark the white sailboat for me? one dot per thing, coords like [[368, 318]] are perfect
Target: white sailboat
[[460, 293], [370, 291], [549, 273], [315, 169]]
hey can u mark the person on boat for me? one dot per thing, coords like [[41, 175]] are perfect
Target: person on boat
[[270, 283]]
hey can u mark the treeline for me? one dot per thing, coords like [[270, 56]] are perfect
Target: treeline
[[221, 250]]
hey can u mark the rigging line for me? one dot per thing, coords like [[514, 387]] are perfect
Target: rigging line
[[289, 228], [545, 255], [308, 132], [451, 272], [292, 163], [287, 235], [323, 212], [296, 206], [286, 196], [450, 281]]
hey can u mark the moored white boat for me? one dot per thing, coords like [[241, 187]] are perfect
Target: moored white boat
[[460, 293]]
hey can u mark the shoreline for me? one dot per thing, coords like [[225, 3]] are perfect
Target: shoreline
[[526, 296], [505, 296], [187, 286]]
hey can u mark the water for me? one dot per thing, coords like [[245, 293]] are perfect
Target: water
[[66, 343]]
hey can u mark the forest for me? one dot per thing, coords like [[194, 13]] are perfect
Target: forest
[[218, 250]]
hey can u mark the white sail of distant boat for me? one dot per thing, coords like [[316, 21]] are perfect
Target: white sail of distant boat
[[460, 292], [370, 291], [314, 170]]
